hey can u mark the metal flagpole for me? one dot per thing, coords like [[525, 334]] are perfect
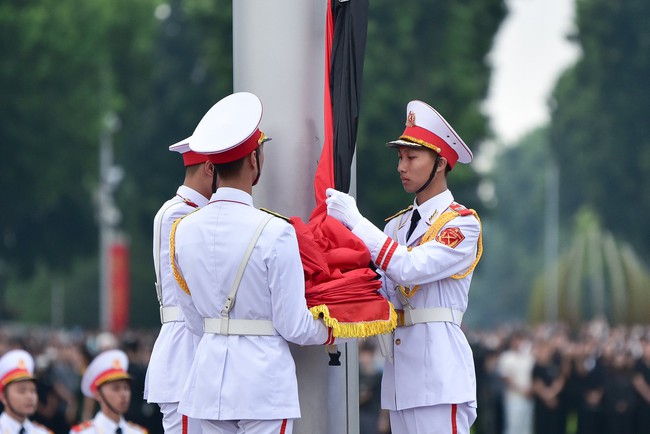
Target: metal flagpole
[[278, 54]]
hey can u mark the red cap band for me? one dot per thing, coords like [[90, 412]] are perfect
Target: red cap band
[[14, 375], [110, 375], [190, 158], [429, 140], [239, 151]]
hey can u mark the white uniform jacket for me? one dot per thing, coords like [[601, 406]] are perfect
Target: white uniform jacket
[[101, 424], [174, 348], [243, 377], [433, 361], [9, 425]]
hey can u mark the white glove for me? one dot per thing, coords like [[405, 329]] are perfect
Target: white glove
[[343, 208]]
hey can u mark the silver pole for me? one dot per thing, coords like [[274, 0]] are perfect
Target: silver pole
[[278, 54], [108, 215], [105, 228]]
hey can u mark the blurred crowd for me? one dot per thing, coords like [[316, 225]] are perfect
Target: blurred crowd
[[552, 379], [546, 379], [60, 360]]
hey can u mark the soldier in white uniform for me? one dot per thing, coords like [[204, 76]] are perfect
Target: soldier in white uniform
[[174, 348], [243, 285], [18, 394], [107, 381], [427, 254]]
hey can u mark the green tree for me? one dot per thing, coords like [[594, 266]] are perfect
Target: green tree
[[599, 130], [188, 68], [598, 277], [513, 232]]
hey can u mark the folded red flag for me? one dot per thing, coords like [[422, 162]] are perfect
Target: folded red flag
[[340, 286]]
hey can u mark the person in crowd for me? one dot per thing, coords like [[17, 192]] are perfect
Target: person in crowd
[[641, 383], [18, 394], [515, 368], [548, 383], [369, 389], [106, 380], [619, 396]]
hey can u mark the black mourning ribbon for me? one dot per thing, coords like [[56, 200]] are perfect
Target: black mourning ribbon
[[415, 218]]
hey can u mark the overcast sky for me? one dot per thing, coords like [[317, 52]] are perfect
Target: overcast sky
[[530, 52]]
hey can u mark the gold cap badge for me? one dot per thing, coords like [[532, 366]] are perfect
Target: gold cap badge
[[410, 119]]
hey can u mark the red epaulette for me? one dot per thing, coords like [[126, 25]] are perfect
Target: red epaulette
[[138, 427], [82, 426], [460, 209]]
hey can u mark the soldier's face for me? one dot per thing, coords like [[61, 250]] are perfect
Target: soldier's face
[[21, 397], [414, 166], [118, 395]]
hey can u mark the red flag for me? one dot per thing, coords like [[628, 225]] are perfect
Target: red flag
[[340, 286], [119, 285]]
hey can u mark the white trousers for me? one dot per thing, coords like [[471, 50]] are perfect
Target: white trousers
[[175, 423], [435, 419], [282, 426]]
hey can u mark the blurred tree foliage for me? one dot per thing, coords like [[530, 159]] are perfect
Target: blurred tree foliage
[[157, 67], [513, 233], [598, 277], [599, 128]]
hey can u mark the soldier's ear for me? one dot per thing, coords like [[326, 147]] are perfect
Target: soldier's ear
[[208, 168]]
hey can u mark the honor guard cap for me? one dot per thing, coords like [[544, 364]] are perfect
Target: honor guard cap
[[108, 366], [16, 365], [230, 129], [426, 127], [190, 158]]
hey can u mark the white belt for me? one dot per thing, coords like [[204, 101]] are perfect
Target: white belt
[[411, 316], [169, 314], [242, 327]]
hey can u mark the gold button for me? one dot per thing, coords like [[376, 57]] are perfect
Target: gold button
[[398, 341]]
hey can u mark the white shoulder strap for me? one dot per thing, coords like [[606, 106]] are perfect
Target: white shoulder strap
[[157, 240], [230, 301]]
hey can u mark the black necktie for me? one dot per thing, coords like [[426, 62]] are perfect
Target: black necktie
[[118, 430], [22, 430], [415, 218]]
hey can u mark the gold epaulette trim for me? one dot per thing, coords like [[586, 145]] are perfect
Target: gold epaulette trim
[[432, 232], [172, 256], [357, 329], [399, 213], [276, 214]]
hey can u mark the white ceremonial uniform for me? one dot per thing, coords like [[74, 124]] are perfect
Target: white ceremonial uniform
[[237, 377], [101, 424], [9, 425], [433, 361], [174, 348]]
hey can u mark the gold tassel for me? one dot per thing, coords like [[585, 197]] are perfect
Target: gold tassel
[[172, 258], [358, 329]]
